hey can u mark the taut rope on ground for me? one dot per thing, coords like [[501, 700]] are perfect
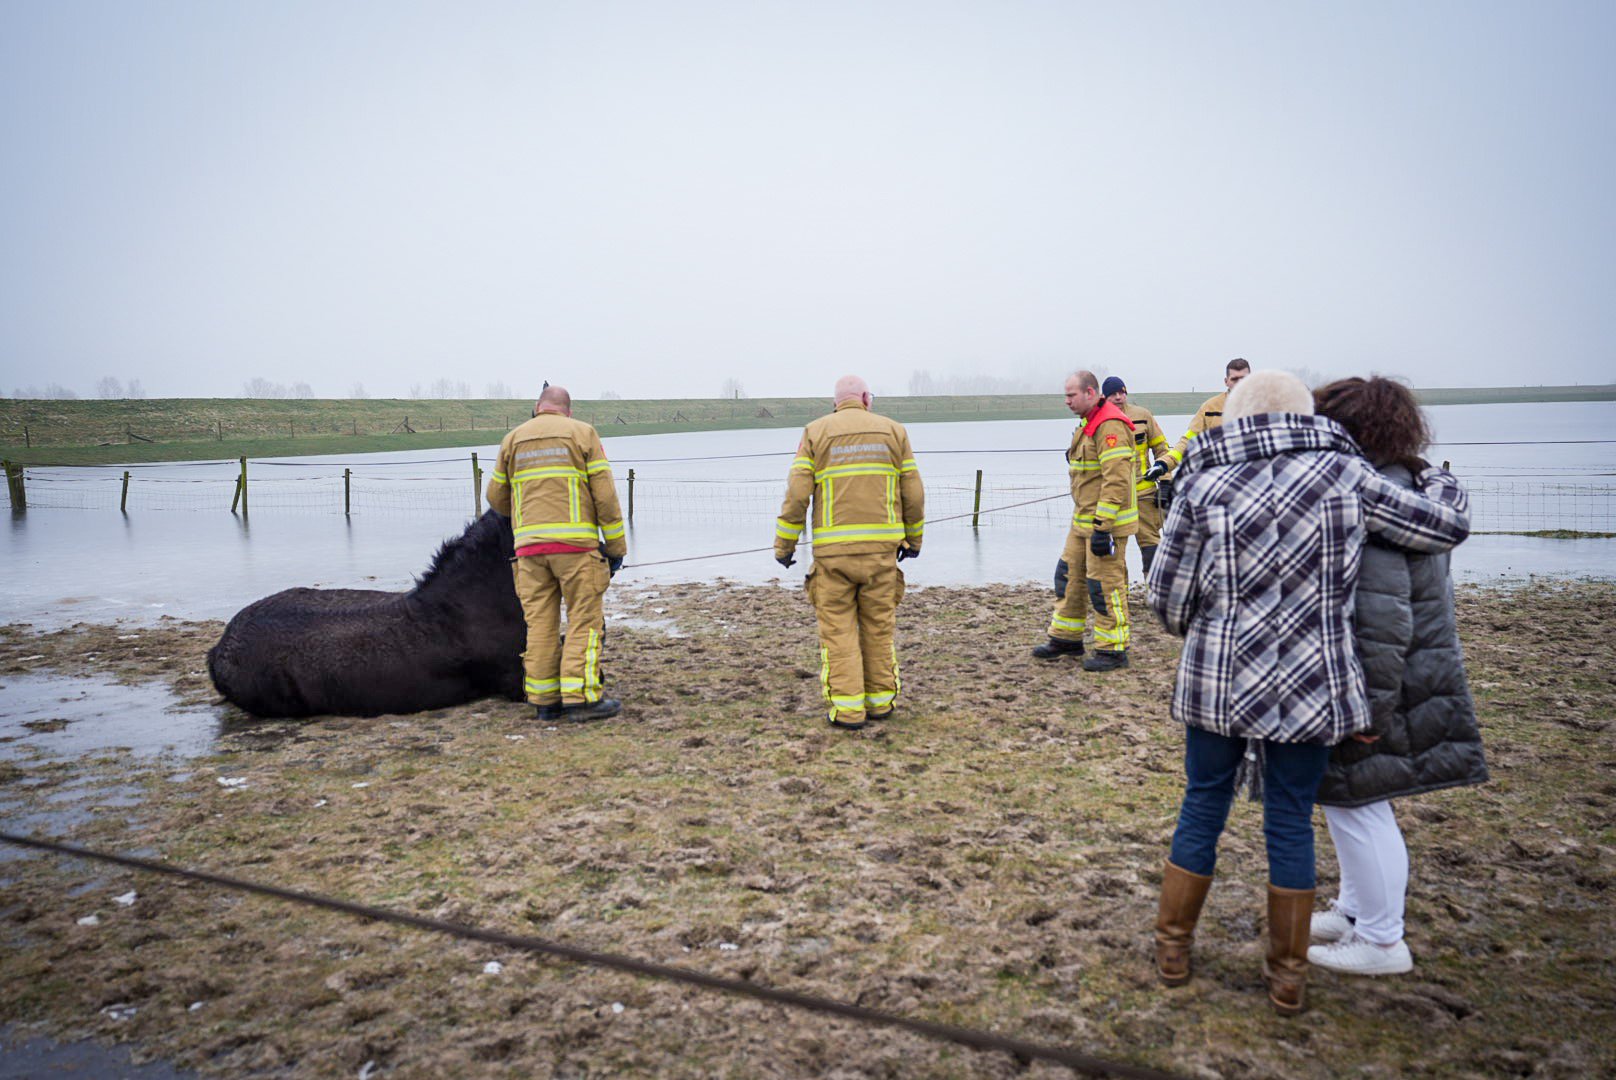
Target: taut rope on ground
[[972, 1037]]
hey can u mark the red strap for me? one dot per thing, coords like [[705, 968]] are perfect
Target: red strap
[[553, 548]]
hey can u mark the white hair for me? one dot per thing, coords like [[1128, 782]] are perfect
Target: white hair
[[1268, 392]]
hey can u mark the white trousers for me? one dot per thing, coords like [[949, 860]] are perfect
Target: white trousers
[[1374, 868]]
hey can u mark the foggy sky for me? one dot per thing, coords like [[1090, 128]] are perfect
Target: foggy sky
[[649, 198]]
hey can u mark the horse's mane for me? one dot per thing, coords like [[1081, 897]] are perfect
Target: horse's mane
[[480, 536]]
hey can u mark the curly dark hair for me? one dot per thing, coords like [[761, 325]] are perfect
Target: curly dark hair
[[1382, 417]]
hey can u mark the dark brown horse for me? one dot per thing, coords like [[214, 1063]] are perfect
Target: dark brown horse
[[455, 637]]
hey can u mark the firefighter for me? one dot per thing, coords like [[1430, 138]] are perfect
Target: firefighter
[[868, 515], [1100, 462], [553, 481], [1149, 445], [1208, 417]]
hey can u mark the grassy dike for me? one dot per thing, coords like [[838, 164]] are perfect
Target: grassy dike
[[34, 432]]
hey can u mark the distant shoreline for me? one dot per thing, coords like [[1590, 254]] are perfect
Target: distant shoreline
[[96, 432]]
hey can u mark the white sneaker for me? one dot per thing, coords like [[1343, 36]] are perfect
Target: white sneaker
[[1352, 955], [1331, 924]]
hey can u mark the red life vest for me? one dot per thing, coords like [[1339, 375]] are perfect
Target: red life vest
[[1106, 411]]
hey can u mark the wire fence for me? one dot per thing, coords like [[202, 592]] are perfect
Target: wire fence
[[1505, 499]]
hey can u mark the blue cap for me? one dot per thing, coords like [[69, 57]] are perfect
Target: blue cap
[[1112, 385]]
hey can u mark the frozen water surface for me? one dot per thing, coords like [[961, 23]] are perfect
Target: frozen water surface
[[98, 565]]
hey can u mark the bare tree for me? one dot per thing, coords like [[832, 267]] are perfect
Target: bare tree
[[610, 395], [440, 388], [108, 387], [498, 391], [357, 391], [415, 391], [921, 384], [462, 389], [302, 390], [53, 392], [134, 391], [260, 387], [733, 388]]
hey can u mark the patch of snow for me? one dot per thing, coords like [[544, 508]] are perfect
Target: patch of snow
[[127, 899], [362, 784], [232, 782], [617, 1006], [493, 967], [90, 920]]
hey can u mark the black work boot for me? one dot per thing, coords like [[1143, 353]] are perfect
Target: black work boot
[[1106, 660], [604, 709], [550, 712], [1056, 648]]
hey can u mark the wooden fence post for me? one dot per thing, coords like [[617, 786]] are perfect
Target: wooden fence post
[[631, 495], [476, 487], [123, 500], [976, 507], [244, 486], [16, 485], [221, 429], [347, 492], [27, 440]]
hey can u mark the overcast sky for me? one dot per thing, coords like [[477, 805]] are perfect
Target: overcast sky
[[649, 198]]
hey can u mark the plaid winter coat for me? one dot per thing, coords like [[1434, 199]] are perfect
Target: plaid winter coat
[[1258, 565]]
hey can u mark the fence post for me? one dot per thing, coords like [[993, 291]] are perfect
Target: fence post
[[347, 492], [476, 487], [27, 440], [221, 429], [976, 507], [17, 486], [235, 497], [243, 485], [631, 495], [123, 500]]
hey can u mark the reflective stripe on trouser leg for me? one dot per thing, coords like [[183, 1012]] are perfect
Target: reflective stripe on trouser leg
[[540, 595], [1070, 618], [1111, 571], [878, 599], [833, 586], [583, 579]]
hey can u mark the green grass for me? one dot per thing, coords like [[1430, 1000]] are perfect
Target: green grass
[[37, 432]]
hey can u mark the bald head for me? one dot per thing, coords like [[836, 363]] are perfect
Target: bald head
[[849, 388], [555, 399]]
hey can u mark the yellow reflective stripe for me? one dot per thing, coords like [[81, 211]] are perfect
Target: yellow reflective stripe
[[784, 528], [892, 500], [915, 529], [1142, 486], [908, 466], [803, 463], [572, 499], [499, 478], [1160, 440], [846, 533], [828, 512], [611, 530], [548, 470], [878, 700], [1106, 508], [897, 680], [599, 466], [1083, 466], [1115, 452], [855, 701], [1082, 519], [824, 675], [559, 530], [541, 685], [862, 469], [592, 668], [1074, 625]]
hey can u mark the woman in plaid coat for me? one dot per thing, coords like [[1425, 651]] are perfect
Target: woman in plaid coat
[[1256, 570]]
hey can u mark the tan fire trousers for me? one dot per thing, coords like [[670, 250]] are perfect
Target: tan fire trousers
[[1150, 520], [543, 583], [855, 598], [1098, 582]]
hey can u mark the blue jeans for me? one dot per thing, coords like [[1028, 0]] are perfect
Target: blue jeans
[[1291, 775]]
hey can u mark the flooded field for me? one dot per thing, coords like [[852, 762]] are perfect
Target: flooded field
[[179, 551]]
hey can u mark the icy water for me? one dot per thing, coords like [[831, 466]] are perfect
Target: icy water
[[180, 551]]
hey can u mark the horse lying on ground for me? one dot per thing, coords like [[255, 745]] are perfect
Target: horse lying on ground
[[456, 637]]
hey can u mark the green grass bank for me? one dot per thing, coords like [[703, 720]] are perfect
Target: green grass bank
[[83, 432]]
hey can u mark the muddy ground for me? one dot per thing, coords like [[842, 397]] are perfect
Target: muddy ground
[[988, 857]]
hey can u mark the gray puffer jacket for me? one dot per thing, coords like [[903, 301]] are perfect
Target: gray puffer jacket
[[1408, 643]]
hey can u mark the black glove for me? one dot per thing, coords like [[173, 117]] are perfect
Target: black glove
[[1164, 493], [907, 552], [1101, 544], [787, 561], [1157, 470], [614, 563]]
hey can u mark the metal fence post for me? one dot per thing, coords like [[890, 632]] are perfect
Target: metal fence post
[[123, 500], [631, 495], [476, 487], [347, 492], [976, 507]]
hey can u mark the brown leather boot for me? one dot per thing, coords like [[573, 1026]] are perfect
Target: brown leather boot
[[1182, 895], [1290, 913]]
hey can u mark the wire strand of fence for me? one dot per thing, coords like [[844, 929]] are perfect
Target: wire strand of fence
[[975, 1038]]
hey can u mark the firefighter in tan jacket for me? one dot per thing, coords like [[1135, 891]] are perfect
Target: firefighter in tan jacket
[[553, 481], [868, 515], [1149, 446], [1100, 462], [1207, 418]]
